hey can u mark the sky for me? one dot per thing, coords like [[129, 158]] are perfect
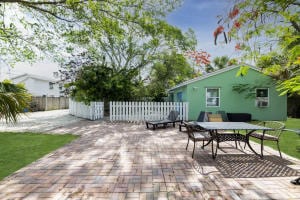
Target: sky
[[200, 15]]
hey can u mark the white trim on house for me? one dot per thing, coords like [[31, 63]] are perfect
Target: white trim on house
[[218, 97], [26, 76], [211, 74], [260, 100]]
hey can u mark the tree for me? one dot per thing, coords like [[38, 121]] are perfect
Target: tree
[[263, 28], [125, 49], [221, 62], [13, 100], [126, 61], [36, 27], [171, 70], [133, 46], [99, 82]]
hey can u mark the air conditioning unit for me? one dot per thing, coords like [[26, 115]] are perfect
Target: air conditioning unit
[[262, 103]]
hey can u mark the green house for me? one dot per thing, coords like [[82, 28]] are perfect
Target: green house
[[254, 93]]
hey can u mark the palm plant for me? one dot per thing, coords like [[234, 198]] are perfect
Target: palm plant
[[221, 62], [13, 99]]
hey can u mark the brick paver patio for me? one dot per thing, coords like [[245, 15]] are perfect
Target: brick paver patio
[[126, 161]]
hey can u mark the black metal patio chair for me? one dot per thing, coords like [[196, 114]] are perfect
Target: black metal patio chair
[[196, 136], [202, 117], [272, 135]]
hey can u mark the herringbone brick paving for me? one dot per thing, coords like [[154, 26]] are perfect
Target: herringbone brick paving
[[126, 161]]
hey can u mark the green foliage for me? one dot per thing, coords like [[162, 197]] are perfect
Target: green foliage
[[20, 149], [98, 82], [269, 32], [36, 27], [13, 100], [171, 70], [221, 62], [129, 48], [134, 46], [217, 63], [277, 66], [247, 89], [130, 35], [242, 71], [290, 86]]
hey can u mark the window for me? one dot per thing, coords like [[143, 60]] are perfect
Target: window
[[212, 97], [262, 97], [51, 85], [60, 86], [179, 96]]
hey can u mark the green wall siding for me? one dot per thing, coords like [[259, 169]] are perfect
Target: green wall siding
[[234, 102]]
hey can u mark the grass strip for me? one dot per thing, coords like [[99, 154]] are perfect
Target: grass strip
[[20, 149]]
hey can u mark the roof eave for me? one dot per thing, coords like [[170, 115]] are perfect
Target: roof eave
[[210, 74]]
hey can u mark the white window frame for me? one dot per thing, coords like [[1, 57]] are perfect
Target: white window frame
[[219, 97], [262, 99]]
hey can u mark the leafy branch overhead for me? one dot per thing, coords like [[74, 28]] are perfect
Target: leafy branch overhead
[[263, 30], [31, 29]]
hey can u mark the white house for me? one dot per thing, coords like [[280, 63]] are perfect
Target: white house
[[39, 85], [4, 70]]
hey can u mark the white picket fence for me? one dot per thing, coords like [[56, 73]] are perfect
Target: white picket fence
[[93, 112], [145, 111]]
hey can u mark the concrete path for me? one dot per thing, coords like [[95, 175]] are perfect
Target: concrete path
[[126, 161], [43, 121]]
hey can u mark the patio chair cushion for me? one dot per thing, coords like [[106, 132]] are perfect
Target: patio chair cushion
[[200, 136], [215, 118]]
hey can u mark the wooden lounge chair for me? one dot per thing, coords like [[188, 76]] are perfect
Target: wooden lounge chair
[[172, 119]]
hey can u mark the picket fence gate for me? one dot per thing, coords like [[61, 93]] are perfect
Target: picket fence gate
[[145, 111], [93, 111]]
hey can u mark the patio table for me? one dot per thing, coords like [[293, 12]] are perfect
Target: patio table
[[214, 129]]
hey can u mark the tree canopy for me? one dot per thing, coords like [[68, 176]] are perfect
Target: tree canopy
[[121, 46], [29, 29], [169, 71], [264, 31], [98, 82], [90, 37]]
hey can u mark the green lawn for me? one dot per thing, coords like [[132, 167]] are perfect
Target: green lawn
[[289, 141], [19, 149]]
